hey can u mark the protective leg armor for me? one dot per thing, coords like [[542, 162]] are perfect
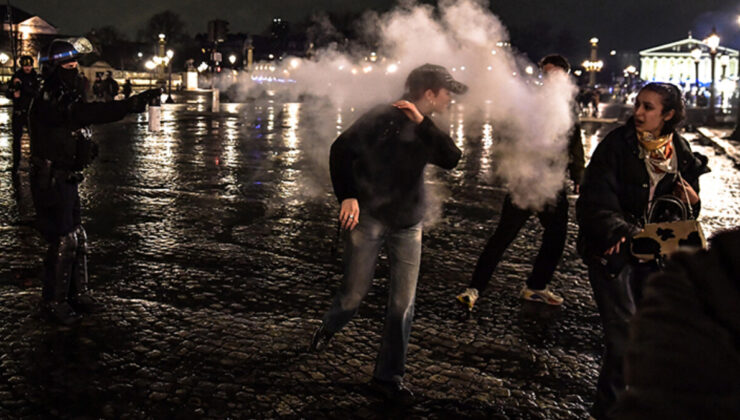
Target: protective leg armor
[[79, 296], [60, 258]]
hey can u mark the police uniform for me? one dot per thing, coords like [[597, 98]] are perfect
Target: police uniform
[[61, 147], [27, 85]]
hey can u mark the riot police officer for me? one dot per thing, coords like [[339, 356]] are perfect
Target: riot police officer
[[61, 147], [23, 87]]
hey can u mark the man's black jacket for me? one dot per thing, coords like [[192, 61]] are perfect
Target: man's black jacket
[[615, 191], [380, 161]]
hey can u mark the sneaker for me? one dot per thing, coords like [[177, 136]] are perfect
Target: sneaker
[[320, 340], [468, 297], [541, 296], [393, 391]]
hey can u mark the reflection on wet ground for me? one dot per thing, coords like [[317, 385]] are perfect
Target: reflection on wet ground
[[211, 245]]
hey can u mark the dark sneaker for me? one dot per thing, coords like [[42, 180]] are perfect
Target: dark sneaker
[[320, 340], [86, 304], [61, 313], [393, 391]]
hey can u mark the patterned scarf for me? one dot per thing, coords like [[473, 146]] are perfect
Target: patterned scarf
[[659, 156]]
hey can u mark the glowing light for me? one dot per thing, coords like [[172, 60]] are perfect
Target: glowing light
[[170, 54], [392, 68], [232, 59], [462, 68], [594, 41], [150, 65], [162, 37], [354, 71], [493, 52], [294, 63], [490, 68], [4, 58], [529, 70], [613, 52], [202, 67], [367, 69]]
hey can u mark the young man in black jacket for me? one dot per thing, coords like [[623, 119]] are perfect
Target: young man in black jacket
[[377, 170], [554, 220]]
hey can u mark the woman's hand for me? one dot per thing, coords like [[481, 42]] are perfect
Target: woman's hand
[[615, 248], [410, 110], [349, 214], [679, 192]]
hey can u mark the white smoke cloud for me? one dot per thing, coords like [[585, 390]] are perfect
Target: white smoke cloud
[[529, 118]]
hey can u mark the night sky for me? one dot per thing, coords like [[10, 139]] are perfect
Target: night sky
[[624, 25]]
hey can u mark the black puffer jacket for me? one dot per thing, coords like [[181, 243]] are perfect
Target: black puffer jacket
[[683, 358], [615, 192]]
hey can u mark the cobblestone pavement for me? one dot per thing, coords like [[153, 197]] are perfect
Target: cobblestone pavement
[[212, 248]]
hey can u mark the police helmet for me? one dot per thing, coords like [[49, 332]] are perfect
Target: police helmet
[[26, 60], [65, 50]]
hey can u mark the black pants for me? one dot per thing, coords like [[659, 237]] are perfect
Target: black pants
[[554, 218], [616, 298], [57, 204], [20, 120]]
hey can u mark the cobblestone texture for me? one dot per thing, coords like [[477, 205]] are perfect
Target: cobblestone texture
[[211, 247]]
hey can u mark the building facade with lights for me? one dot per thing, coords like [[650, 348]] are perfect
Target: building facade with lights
[[687, 61]]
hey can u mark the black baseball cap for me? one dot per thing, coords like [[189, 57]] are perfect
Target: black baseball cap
[[433, 76]]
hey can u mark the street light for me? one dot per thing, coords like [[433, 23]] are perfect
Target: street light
[[4, 58], [592, 65], [713, 42], [168, 59], [232, 59]]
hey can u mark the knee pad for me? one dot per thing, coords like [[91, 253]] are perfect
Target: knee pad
[[81, 236], [67, 246]]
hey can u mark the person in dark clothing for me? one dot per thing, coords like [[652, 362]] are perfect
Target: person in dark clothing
[[683, 355], [98, 88], [642, 160], [554, 219], [61, 148], [110, 87], [127, 89], [24, 86], [377, 170]]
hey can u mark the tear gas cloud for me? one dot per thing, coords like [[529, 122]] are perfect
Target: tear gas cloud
[[530, 117]]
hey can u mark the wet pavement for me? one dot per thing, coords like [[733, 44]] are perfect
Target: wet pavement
[[212, 249]]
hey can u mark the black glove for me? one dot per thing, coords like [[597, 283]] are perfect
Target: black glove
[[138, 103]]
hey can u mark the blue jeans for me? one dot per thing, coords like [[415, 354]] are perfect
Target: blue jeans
[[362, 246]]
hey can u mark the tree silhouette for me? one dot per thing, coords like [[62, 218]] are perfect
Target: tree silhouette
[[168, 23]]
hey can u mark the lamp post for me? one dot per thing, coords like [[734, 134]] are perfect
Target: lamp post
[[713, 42], [696, 55], [168, 59], [592, 65]]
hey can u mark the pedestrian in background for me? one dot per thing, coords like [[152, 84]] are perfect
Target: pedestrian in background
[[22, 89]]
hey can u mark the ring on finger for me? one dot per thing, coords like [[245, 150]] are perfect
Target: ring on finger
[[351, 216]]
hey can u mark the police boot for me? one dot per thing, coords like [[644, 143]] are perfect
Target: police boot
[[80, 297], [61, 256]]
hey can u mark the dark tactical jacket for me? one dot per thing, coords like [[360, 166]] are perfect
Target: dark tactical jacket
[[60, 120]]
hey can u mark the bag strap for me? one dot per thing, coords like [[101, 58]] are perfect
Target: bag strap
[[686, 193], [668, 199]]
